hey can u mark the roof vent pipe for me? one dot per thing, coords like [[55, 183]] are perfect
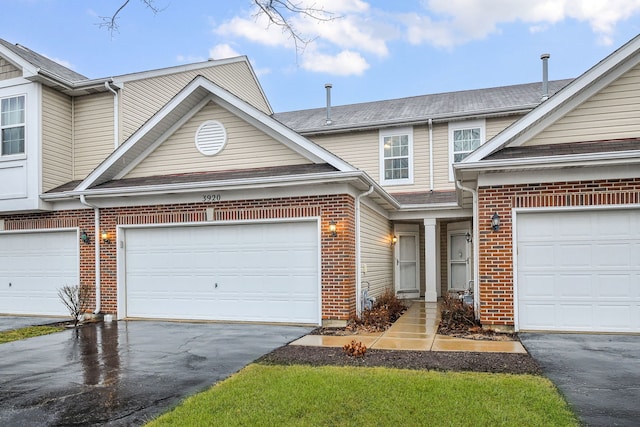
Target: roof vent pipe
[[545, 76], [328, 87]]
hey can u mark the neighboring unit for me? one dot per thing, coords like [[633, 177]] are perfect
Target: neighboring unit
[[179, 194]]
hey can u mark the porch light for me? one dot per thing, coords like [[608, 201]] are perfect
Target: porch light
[[495, 222], [332, 229], [394, 240], [85, 238], [105, 237]]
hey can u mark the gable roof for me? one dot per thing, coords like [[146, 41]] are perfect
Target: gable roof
[[40, 63], [418, 109], [178, 111], [567, 99]]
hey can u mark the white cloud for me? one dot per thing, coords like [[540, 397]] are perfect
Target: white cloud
[[346, 63], [221, 51], [448, 23]]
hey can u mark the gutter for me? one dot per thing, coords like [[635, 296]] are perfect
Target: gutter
[[116, 113], [358, 252], [96, 244], [476, 248]]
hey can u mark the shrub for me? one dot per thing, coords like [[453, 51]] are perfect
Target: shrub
[[386, 310], [76, 298], [355, 349], [457, 316]]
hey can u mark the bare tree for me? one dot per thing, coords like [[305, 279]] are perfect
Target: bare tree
[[278, 12], [76, 298]]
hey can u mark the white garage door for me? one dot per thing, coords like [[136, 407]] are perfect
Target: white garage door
[[579, 270], [33, 266], [265, 272]]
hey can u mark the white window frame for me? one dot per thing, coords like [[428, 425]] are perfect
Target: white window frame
[[384, 133], [461, 125], [23, 124]]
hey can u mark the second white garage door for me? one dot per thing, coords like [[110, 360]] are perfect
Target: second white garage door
[[265, 272], [579, 270]]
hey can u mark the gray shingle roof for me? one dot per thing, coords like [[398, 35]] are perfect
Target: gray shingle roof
[[566, 149], [420, 108], [43, 62]]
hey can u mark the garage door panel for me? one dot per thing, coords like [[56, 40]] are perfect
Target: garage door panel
[[37, 264], [248, 272], [590, 268]]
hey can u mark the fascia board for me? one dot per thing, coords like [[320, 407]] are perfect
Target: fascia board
[[124, 78], [625, 157], [520, 131]]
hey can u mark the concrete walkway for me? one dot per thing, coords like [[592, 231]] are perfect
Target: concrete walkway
[[416, 329]]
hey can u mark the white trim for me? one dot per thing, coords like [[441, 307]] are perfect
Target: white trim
[[462, 125], [383, 133], [121, 272], [557, 175]]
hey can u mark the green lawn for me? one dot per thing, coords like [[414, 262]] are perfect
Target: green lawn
[[266, 395], [28, 332]]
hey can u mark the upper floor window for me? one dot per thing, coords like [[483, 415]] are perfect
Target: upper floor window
[[464, 137], [396, 156], [12, 125]]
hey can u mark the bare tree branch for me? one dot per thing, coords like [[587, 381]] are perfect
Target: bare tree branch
[[278, 13]]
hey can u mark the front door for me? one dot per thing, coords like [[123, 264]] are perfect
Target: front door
[[459, 260], [407, 269]]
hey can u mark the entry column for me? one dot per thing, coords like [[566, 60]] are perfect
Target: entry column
[[430, 260]]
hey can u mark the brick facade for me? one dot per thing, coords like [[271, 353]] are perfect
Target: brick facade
[[496, 247], [338, 253]]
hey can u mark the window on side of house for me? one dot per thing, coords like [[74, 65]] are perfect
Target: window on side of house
[[12, 125], [396, 156], [464, 137]]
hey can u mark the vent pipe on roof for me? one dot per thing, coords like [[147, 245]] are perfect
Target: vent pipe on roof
[[545, 76], [328, 87]]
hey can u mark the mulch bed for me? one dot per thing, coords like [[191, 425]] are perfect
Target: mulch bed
[[512, 363]]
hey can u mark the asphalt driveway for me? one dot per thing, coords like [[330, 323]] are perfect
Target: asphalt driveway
[[123, 373], [598, 374]]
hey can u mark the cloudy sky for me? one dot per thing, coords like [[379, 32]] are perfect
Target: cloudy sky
[[368, 50]]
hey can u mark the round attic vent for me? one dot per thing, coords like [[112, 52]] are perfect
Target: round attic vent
[[211, 137]]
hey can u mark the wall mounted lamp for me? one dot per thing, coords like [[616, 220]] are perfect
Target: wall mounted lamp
[[84, 237], [394, 240], [105, 237], [495, 222], [332, 229]]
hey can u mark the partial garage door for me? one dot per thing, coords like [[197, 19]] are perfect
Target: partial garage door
[[265, 272], [579, 270], [33, 266]]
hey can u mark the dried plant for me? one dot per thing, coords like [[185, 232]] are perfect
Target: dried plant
[[355, 349], [76, 298]]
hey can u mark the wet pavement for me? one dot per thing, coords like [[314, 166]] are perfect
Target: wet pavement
[[123, 373], [8, 323], [598, 374]]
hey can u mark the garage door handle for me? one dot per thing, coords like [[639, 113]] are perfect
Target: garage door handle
[[9, 284], [216, 286]]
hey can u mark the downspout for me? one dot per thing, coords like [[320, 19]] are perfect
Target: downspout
[[358, 255], [96, 244], [116, 128], [476, 247], [430, 154]]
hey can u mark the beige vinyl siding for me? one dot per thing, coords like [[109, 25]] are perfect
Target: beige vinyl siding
[[57, 148], [610, 114], [141, 99], [360, 149], [441, 158], [376, 251], [93, 129], [8, 70], [247, 147], [496, 125]]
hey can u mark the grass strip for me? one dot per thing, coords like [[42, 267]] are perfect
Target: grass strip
[[266, 395], [28, 332]]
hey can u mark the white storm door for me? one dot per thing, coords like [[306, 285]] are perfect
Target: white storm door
[[33, 266], [458, 256], [266, 272], [407, 263]]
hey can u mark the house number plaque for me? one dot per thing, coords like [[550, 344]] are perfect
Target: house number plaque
[[211, 197]]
